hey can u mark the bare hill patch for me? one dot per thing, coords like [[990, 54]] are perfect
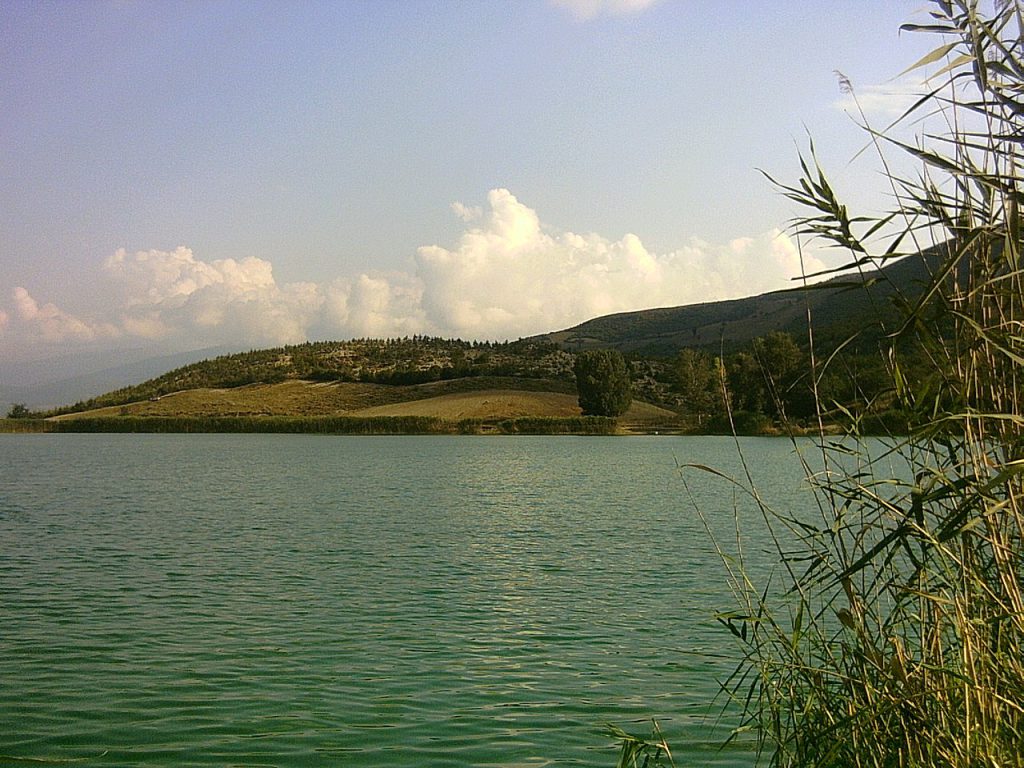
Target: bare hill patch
[[487, 404]]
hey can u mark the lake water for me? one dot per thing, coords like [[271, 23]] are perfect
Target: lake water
[[391, 601]]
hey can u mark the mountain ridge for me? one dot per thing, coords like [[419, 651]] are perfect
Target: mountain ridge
[[50, 392], [837, 307]]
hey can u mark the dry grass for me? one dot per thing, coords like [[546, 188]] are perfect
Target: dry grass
[[290, 398], [488, 405], [303, 398]]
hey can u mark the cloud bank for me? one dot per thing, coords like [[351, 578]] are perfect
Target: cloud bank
[[506, 276], [48, 323]]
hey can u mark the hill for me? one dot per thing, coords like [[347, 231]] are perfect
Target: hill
[[38, 385], [396, 366], [838, 307], [419, 377]]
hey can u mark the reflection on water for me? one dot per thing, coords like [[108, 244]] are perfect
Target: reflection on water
[[422, 601]]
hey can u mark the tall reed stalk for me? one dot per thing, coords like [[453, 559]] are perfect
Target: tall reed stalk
[[896, 637]]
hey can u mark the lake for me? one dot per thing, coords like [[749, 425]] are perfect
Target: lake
[[295, 600]]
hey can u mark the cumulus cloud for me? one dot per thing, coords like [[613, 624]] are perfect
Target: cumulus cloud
[[509, 277], [376, 305], [584, 10], [49, 323], [466, 212], [505, 276], [167, 292]]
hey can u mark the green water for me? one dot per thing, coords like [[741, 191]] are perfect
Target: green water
[[410, 601]]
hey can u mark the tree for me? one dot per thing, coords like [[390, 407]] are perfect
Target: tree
[[779, 356], [19, 411], [781, 363], [747, 388], [696, 381], [602, 382]]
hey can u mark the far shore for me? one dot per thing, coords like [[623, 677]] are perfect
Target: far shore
[[376, 425], [333, 425]]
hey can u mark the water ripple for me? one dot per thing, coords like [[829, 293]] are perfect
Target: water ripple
[[285, 600]]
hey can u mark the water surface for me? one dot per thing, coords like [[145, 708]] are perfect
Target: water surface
[[395, 601]]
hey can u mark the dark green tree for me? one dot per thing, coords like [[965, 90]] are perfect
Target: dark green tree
[[602, 382], [696, 381], [779, 355], [782, 364], [19, 411], [747, 388]]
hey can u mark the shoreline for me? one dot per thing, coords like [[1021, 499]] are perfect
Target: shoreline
[[318, 425], [580, 426]]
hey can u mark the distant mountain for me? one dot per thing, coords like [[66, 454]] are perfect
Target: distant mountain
[[50, 392], [838, 307]]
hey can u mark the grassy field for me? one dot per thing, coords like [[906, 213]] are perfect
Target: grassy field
[[290, 398], [443, 401]]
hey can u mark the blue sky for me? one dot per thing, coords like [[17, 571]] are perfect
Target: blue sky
[[180, 175]]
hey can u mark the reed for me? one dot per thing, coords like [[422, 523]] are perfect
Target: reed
[[895, 636], [23, 425], [639, 752], [322, 425]]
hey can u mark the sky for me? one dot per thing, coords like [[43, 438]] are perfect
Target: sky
[[244, 174]]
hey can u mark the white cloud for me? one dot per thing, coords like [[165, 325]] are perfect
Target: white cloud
[[50, 324], [169, 278], [505, 276], [584, 10], [467, 213], [171, 292], [509, 278], [375, 306]]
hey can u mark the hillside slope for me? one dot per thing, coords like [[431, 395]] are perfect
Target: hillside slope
[[449, 401], [838, 307], [396, 366]]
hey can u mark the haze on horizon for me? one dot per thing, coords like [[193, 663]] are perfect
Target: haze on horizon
[[246, 174]]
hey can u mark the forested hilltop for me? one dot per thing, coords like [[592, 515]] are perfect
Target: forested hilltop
[[395, 362]]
